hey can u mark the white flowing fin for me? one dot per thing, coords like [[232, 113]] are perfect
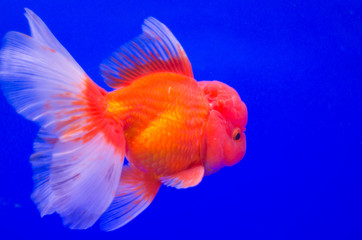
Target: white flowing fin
[[79, 151], [41, 33], [41, 160]]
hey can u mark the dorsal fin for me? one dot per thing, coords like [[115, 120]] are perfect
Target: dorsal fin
[[155, 50]]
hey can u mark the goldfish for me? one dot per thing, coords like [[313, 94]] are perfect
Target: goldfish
[[103, 155]]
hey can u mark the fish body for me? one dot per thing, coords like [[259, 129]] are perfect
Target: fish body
[[172, 129], [163, 122]]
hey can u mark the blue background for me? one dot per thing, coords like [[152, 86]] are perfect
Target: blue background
[[298, 67]]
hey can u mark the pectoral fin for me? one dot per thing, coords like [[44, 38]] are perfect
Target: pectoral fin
[[185, 179]]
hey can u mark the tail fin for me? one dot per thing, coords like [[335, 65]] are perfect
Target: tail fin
[[79, 151]]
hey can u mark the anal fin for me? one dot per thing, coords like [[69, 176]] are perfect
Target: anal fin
[[135, 193], [185, 179]]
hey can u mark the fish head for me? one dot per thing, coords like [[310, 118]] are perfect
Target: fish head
[[223, 139]]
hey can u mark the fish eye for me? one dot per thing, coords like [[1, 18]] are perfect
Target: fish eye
[[236, 134]]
